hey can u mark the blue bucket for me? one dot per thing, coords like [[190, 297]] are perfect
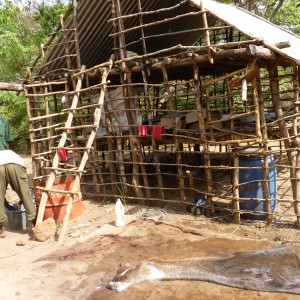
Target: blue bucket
[[252, 197]]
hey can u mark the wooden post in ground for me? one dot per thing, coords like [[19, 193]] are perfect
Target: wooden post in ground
[[236, 192], [203, 139], [177, 146], [261, 132], [296, 142]]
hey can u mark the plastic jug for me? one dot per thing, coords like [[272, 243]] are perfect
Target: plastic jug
[[119, 214]]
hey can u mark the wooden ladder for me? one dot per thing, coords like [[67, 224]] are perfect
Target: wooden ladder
[[88, 145]]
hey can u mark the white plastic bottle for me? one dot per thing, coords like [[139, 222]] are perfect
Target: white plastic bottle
[[119, 214]]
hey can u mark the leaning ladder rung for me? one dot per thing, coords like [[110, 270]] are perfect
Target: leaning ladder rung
[[76, 127], [56, 191], [62, 169], [72, 148]]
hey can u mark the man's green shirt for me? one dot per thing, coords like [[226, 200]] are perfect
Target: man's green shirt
[[5, 133]]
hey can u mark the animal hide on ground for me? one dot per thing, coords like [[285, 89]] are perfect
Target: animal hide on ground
[[271, 270]]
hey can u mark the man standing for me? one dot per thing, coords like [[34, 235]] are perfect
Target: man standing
[[13, 172]]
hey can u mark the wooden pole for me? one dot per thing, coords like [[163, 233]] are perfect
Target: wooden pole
[[142, 29], [207, 36], [296, 142], [203, 137], [231, 108], [31, 112], [111, 149], [177, 146], [126, 80], [6, 86], [275, 93], [208, 112], [284, 133], [236, 193], [261, 130], [154, 146], [76, 35]]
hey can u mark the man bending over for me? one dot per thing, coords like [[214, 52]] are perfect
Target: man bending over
[[13, 172]]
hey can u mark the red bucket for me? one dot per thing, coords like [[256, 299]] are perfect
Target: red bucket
[[57, 202]]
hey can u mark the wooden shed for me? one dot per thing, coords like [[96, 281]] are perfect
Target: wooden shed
[[163, 102]]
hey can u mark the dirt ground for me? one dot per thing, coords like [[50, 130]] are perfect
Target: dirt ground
[[82, 266]]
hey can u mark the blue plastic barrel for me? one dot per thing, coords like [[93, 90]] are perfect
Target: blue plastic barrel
[[252, 197]]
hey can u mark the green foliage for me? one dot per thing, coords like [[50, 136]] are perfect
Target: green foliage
[[21, 34], [14, 109], [48, 17], [282, 13], [289, 16], [16, 43]]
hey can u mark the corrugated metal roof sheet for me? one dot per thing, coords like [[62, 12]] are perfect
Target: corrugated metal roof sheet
[[94, 29], [254, 26], [96, 44]]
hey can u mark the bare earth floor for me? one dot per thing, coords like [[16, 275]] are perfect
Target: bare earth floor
[[84, 264]]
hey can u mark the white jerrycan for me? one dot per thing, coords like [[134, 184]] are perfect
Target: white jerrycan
[[119, 214]]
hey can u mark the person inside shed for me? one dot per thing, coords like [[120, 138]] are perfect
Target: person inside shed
[[13, 172]]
